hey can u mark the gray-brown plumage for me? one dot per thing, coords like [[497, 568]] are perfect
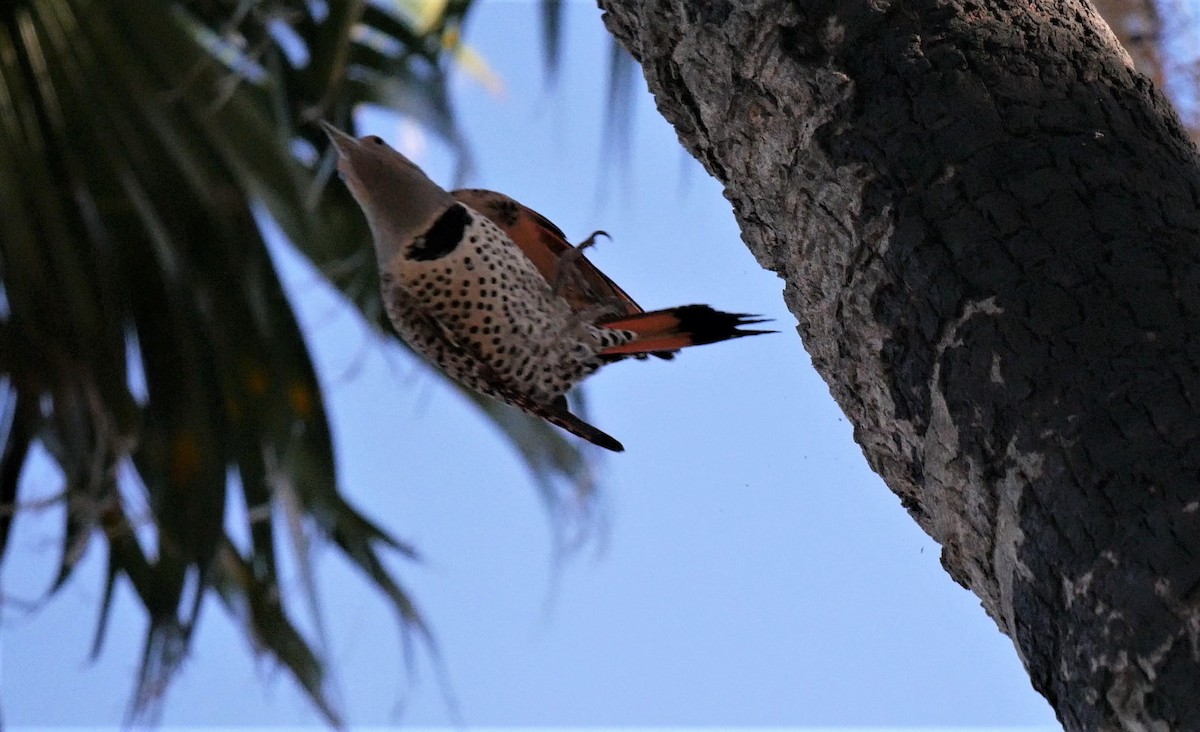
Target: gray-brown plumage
[[492, 293]]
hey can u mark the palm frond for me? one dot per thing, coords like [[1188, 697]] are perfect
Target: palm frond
[[136, 141], [552, 21], [618, 120]]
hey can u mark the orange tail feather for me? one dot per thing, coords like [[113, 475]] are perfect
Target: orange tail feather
[[674, 328]]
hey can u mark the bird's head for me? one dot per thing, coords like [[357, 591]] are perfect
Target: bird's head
[[399, 201]]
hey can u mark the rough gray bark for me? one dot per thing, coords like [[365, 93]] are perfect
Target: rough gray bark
[[989, 226], [1138, 29]]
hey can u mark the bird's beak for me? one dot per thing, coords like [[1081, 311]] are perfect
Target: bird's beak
[[342, 142]]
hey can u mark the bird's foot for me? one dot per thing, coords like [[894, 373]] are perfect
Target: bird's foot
[[566, 265]]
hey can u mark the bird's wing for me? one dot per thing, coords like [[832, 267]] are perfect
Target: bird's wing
[[585, 288]]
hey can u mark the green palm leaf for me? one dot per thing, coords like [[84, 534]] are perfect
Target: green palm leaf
[[136, 142]]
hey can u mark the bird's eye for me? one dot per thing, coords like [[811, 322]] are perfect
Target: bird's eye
[[376, 139]]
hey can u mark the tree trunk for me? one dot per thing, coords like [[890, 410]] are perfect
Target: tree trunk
[[1138, 29], [989, 226]]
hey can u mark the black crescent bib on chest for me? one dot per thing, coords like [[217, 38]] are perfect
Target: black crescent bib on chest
[[442, 238]]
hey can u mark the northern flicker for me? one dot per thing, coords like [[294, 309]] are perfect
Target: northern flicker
[[493, 294]]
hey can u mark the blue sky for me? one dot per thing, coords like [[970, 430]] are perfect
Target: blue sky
[[750, 570]]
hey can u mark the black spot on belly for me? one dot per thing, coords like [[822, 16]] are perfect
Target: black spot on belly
[[443, 237]]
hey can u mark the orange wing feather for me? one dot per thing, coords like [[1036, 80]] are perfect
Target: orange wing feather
[[675, 328], [545, 244]]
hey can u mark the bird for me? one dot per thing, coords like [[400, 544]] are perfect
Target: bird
[[493, 294]]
